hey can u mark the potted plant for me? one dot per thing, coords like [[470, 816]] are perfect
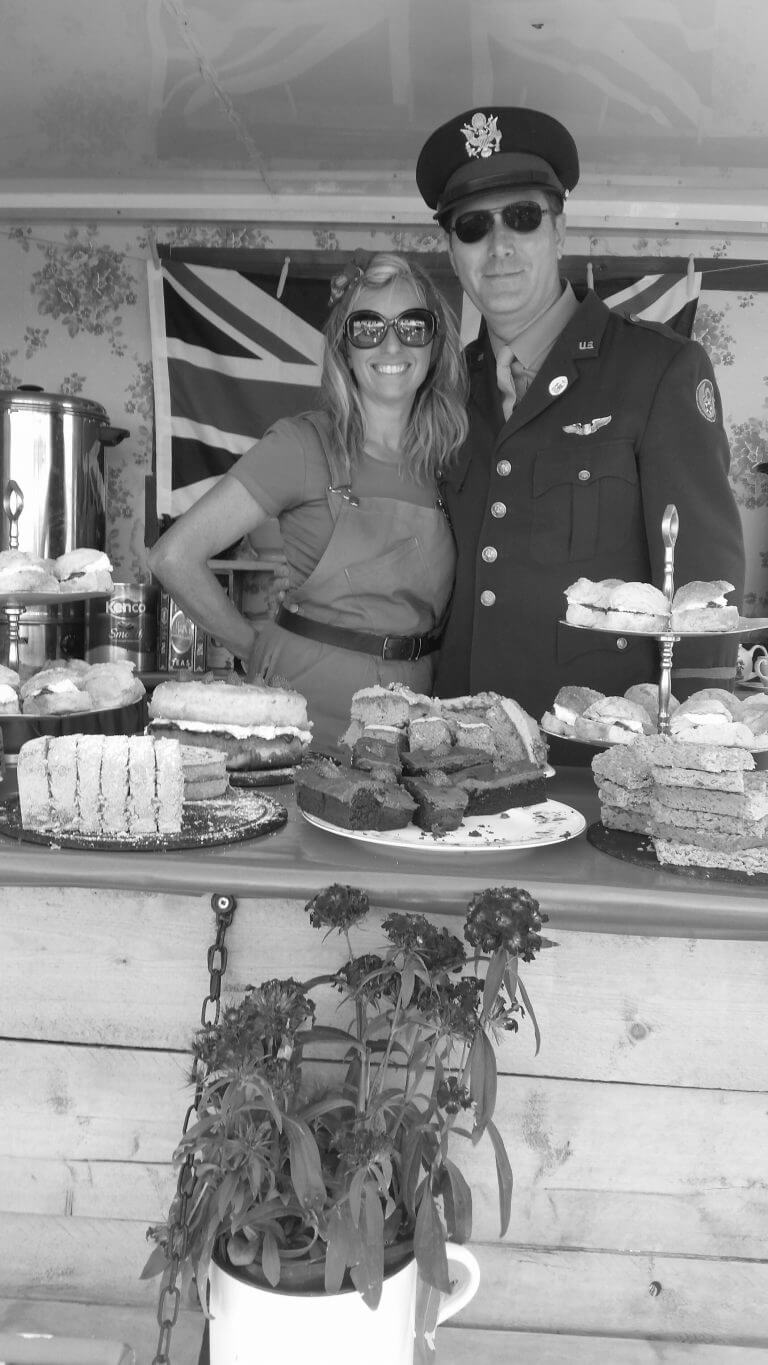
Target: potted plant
[[336, 1180]]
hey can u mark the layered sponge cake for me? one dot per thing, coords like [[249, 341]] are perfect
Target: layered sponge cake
[[97, 784]]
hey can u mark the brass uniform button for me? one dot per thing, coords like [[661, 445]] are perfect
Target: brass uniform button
[[490, 554], [584, 476], [487, 598], [621, 643], [503, 468], [498, 509]]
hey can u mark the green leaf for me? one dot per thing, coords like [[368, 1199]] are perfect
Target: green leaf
[[527, 1002], [410, 1167], [458, 1197], [482, 1080], [155, 1264], [429, 1243], [407, 981], [306, 1168], [355, 1196], [494, 978], [368, 1274], [503, 1175], [341, 1249], [270, 1258], [511, 976]]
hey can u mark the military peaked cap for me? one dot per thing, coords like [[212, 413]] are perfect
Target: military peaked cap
[[488, 149]]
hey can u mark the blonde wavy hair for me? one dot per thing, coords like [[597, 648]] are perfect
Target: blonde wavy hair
[[438, 422]]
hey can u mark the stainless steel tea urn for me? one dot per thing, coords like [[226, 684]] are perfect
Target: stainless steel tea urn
[[52, 447]]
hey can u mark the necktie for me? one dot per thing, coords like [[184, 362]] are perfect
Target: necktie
[[510, 379]]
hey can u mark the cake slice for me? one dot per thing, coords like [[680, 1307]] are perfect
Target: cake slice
[[516, 735], [351, 799], [114, 784], [204, 772], [380, 706], [489, 792], [34, 785], [90, 750], [62, 764], [169, 786], [746, 860], [430, 733], [141, 805], [440, 806]]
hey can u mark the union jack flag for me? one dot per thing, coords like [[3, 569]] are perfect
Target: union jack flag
[[228, 360]]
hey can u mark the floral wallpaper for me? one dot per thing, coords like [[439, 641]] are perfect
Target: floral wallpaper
[[75, 320]]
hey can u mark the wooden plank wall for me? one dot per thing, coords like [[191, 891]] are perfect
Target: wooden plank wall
[[638, 1136]]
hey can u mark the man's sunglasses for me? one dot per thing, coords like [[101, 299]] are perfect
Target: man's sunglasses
[[414, 327], [523, 216]]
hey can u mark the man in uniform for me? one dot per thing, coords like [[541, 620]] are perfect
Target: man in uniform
[[584, 426]]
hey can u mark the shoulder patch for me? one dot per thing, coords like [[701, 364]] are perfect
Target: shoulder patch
[[705, 400]]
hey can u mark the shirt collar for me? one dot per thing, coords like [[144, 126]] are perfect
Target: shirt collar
[[535, 341]]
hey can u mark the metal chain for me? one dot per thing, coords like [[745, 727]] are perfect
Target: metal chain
[[169, 1302]]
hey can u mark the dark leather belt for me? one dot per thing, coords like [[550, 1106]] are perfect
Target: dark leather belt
[[392, 647]]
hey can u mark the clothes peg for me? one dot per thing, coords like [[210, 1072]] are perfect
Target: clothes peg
[[152, 244], [283, 278]]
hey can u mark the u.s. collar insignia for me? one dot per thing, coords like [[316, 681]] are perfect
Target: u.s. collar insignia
[[586, 428], [705, 399], [482, 136]]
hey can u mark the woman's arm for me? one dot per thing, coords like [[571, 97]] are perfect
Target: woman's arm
[[180, 560]]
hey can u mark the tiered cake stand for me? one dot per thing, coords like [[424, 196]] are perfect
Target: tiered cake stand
[[14, 604], [635, 848], [749, 628]]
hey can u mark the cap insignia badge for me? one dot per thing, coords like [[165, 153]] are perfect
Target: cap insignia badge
[[482, 136], [705, 400]]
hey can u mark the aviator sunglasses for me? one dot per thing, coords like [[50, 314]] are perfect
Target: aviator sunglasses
[[414, 327], [523, 216]]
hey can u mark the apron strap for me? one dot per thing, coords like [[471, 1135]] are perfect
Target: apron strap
[[333, 491]]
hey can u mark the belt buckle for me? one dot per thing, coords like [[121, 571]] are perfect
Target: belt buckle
[[390, 641]]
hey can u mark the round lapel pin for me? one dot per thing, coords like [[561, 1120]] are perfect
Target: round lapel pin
[[558, 385]]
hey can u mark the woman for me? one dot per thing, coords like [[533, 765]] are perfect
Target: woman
[[369, 551]]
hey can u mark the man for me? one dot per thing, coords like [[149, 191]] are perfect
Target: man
[[584, 426]]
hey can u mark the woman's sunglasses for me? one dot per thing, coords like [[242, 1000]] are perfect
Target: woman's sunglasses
[[414, 327], [523, 216]]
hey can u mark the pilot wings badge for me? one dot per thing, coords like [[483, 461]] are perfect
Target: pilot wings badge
[[586, 428], [482, 136]]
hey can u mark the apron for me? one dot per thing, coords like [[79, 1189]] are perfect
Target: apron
[[388, 567]]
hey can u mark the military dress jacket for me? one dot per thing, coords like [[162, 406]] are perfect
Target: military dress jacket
[[622, 419]]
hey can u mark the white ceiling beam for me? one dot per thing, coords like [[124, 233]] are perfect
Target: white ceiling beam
[[349, 199]]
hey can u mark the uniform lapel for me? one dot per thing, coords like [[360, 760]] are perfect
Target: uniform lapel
[[578, 342]]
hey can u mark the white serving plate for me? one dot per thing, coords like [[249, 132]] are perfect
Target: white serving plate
[[549, 822]]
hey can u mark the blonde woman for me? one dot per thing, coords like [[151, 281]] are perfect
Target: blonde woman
[[369, 550]]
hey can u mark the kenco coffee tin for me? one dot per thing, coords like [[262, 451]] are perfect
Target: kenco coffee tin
[[124, 626]]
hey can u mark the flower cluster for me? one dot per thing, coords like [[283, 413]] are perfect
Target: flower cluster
[[263, 1024], [438, 950], [505, 917], [337, 907]]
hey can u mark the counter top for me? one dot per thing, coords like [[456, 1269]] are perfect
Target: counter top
[[579, 887]]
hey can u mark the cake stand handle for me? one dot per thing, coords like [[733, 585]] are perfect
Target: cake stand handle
[[670, 526], [13, 505]]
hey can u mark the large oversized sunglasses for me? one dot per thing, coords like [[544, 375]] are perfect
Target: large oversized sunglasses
[[524, 215], [414, 327]]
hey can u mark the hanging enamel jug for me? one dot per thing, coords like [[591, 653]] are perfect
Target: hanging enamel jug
[[249, 1322]]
